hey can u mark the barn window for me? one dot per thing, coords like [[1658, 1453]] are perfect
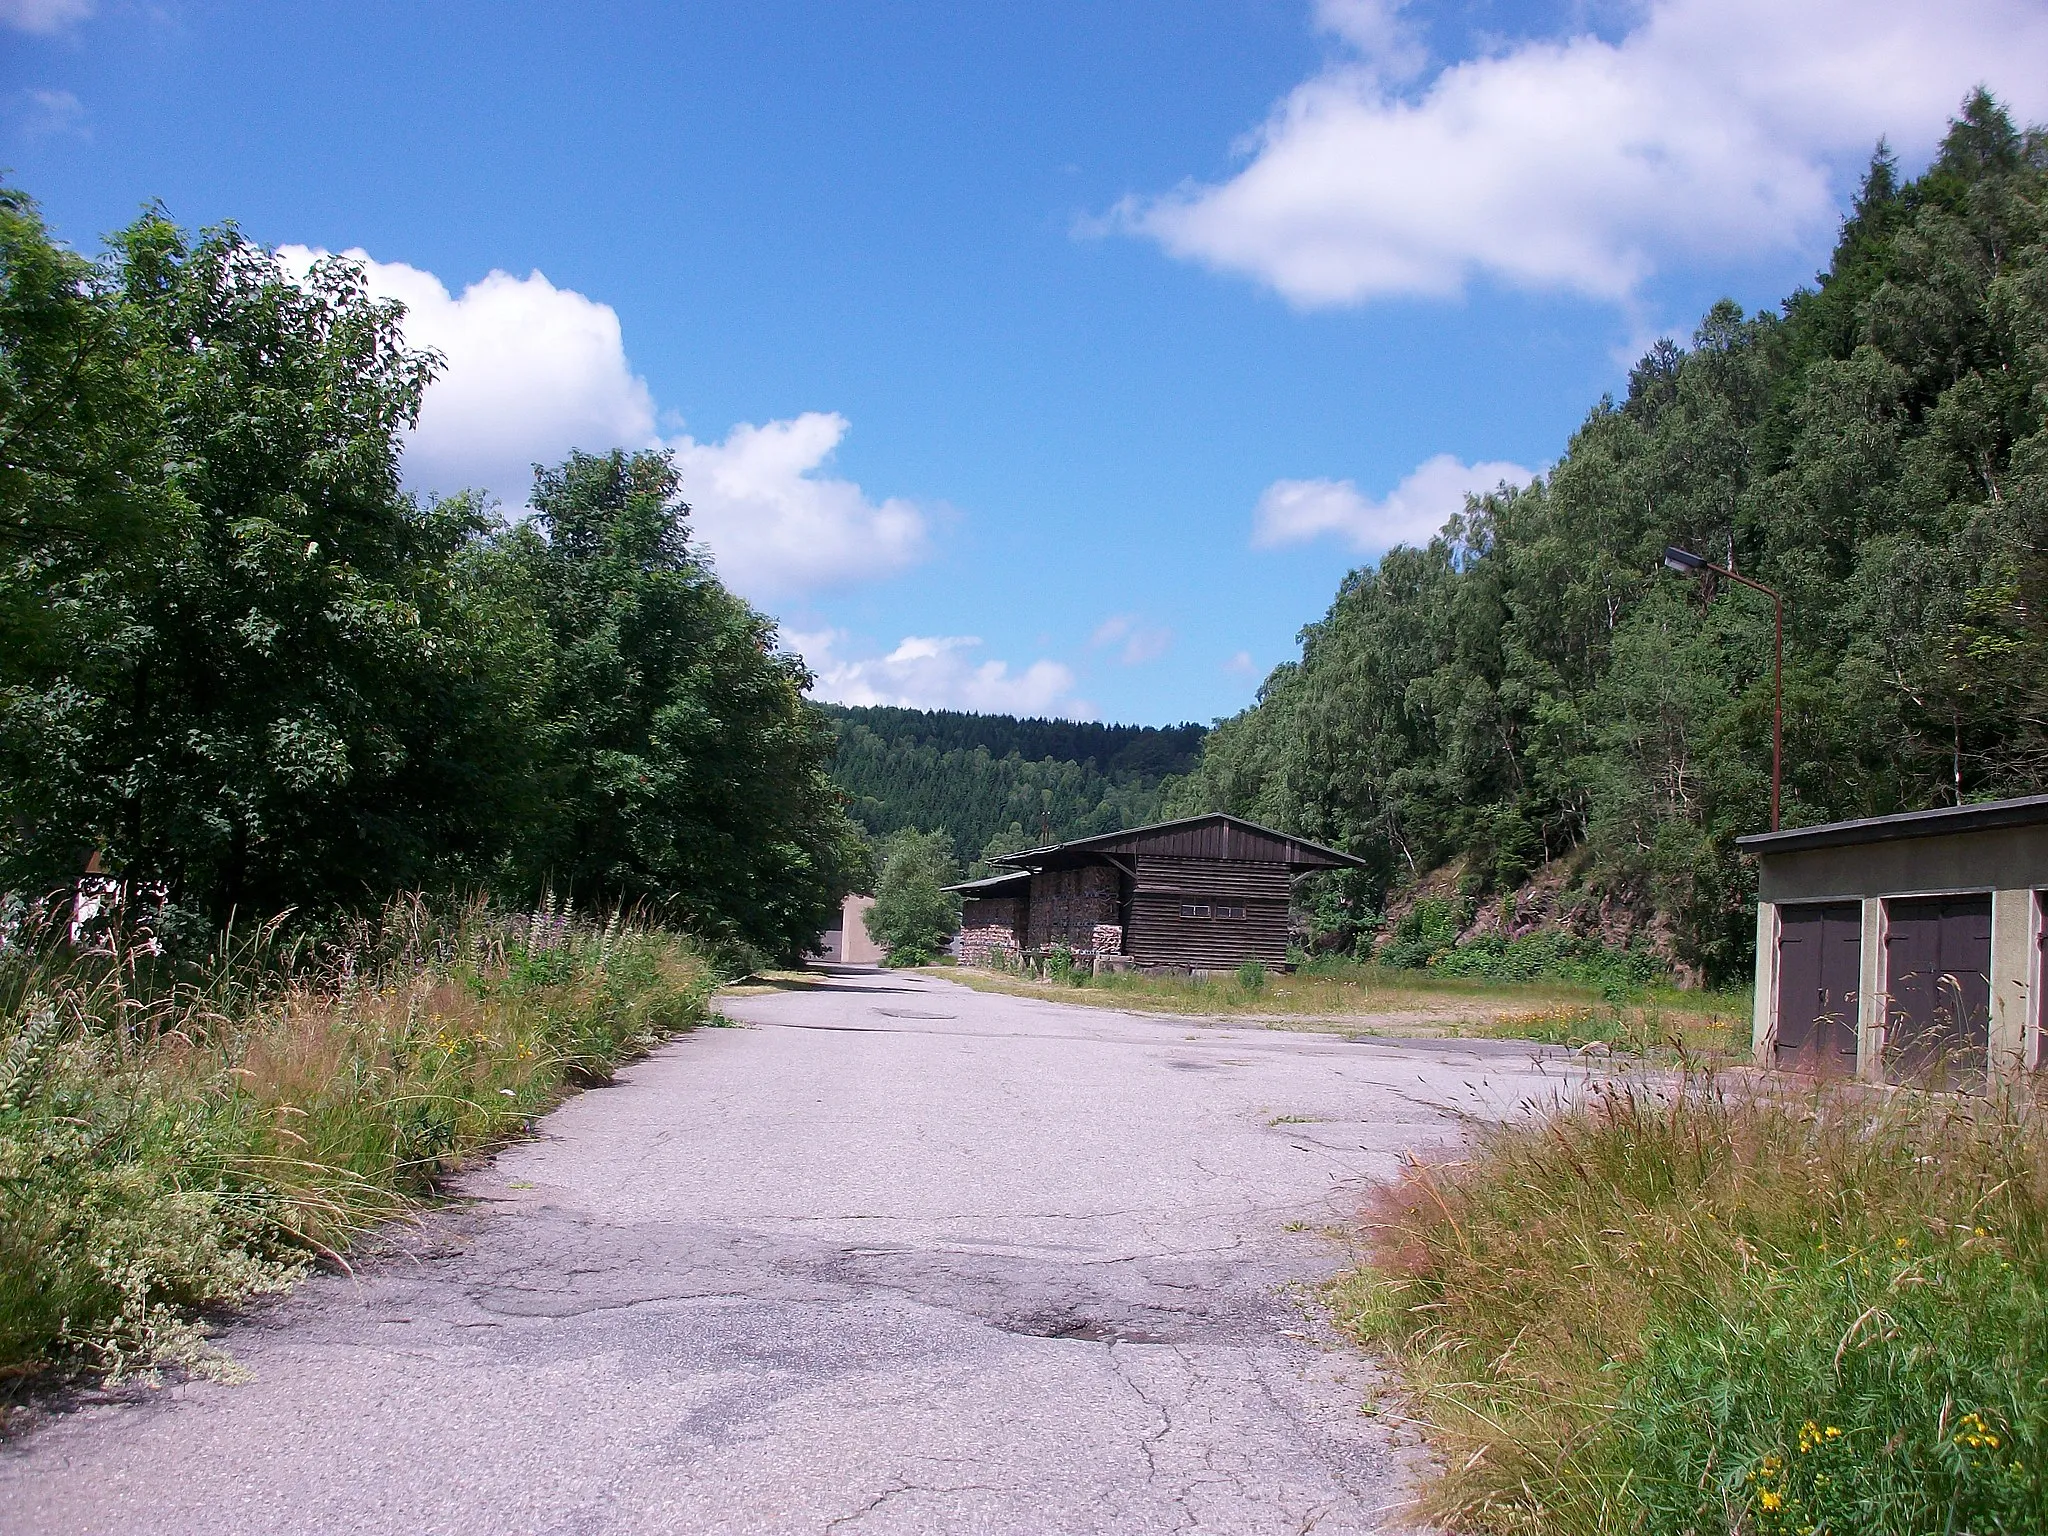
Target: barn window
[[1194, 909], [1237, 912]]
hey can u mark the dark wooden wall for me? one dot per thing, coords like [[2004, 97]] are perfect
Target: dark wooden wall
[[1157, 934]]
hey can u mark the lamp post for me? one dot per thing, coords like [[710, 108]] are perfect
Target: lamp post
[[1687, 563]]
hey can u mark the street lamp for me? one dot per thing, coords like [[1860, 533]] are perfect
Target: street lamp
[[1686, 563]]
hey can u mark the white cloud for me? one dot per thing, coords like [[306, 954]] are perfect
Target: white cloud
[[1138, 642], [1713, 129], [938, 672], [775, 526], [1374, 28], [1295, 511], [532, 371], [51, 114], [1240, 665], [44, 17]]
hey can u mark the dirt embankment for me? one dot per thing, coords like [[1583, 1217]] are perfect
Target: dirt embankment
[[1558, 897]]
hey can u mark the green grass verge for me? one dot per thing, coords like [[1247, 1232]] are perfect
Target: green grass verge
[[1717, 1313], [169, 1149], [1348, 996]]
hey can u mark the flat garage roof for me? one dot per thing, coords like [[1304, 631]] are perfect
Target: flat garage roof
[[1987, 816]]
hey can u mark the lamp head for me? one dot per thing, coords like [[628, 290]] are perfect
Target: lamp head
[[1683, 561]]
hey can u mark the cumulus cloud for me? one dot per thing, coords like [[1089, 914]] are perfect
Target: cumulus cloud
[[938, 672], [1712, 129], [1136, 641], [1240, 664], [1296, 511], [532, 371], [44, 18], [775, 526]]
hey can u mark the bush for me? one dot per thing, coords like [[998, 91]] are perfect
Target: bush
[[194, 1144], [913, 913], [1554, 956], [1425, 931], [1252, 976], [1059, 965], [1695, 1313], [908, 955]]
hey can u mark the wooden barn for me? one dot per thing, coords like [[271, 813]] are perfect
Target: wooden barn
[[1207, 893]]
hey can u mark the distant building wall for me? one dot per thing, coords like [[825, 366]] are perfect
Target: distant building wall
[[855, 947]]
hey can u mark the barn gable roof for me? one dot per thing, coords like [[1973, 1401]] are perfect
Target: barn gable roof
[[1212, 836]]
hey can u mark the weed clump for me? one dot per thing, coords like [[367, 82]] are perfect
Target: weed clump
[[169, 1144], [1691, 1312]]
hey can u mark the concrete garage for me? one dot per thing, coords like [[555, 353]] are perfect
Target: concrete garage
[[1904, 948]]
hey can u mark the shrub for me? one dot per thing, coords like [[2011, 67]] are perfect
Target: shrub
[[1425, 930], [913, 913], [1551, 955], [1252, 976], [1695, 1312], [1059, 965]]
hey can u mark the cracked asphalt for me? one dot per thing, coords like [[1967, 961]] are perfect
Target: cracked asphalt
[[894, 1257]]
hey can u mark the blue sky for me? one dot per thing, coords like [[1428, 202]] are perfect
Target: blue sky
[[1051, 357]]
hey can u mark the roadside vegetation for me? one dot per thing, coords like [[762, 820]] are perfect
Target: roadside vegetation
[[172, 1143], [1357, 997], [1706, 1311], [243, 670]]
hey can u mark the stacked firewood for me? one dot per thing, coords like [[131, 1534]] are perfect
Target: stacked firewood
[[978, 945]]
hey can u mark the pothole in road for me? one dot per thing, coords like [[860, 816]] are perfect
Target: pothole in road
[[1069, 1325]]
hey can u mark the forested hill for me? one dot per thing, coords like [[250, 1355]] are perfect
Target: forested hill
[[997, 777], [1533, 684]]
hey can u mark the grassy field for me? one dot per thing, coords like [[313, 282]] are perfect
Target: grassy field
[[169, 1148], [1369, 999], [1703, 1312]]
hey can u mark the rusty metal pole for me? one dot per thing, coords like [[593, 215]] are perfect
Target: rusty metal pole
[[1777, 706]]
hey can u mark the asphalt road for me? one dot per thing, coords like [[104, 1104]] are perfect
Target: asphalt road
[[895, 1257]]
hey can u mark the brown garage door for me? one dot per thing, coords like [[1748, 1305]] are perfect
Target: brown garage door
[[1938, 987], [1820, 948]]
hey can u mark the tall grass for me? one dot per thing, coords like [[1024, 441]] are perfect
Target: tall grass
[[170, 1143], [1705, 1311]]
